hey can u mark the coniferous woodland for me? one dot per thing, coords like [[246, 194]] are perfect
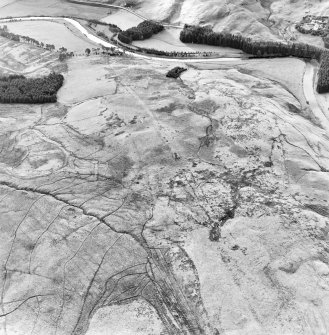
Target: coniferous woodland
[[323, 74], [175, 72], [205, 35], [19, 89], [143, 31]]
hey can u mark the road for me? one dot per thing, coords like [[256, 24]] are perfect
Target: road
[[100, 41], [100, 4], [308, 79]]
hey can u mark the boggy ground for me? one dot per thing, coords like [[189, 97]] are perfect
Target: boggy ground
[[150, 205]]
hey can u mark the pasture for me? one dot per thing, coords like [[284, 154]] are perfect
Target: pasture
[[48, 8], [123, 19], [59, 33]]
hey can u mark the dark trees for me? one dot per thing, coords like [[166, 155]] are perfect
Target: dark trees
[[5, 33], [143, 31], [19, 89], [64, 55], [175, 72], [204, 35], [124, 38], [323, 75]]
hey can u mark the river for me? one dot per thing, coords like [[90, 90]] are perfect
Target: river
[[307, 80]]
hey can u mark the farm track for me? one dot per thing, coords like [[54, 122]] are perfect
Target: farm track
[[163, 280], [99, 4], [307, 80]]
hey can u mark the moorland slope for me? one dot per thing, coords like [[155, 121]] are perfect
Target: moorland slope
[[193, 206]]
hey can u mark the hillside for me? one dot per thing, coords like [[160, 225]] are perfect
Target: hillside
[[138, 204], [266, 18], [194, 206], [269, 19]]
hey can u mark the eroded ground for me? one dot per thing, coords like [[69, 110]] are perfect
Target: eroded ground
[[192, 206]]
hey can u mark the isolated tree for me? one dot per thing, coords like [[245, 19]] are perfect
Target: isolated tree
[[87, 51]]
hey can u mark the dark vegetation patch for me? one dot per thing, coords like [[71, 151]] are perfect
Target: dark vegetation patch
[[4, 32], [268, 164], [261, 49], [131, 3], [112, 27], [205, 35], [168, 109], [319, 209], [292, 108], [19, 89], [143, 31], [326, 41], [266, 4], [314, 25], [323, 74], [175, 72]]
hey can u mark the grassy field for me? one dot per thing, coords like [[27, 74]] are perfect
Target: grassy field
[[49, 8], [123, 19], [94, 28], [269, 19], [58, 33], [123, 173], [77, 80], [286, 71]]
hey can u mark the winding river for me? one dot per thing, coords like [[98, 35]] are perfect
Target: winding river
[[100, 41], [308, 79]]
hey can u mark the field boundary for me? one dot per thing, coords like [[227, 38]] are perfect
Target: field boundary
[[99, 4]]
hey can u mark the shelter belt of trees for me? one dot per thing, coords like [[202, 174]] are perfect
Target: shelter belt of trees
[[205, 35]]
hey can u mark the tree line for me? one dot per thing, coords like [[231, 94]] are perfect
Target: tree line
[[63, 52], [323, 75], [176, 54], [20, 38], [19, 89], [112, 27], [205, 35], [143, 31]]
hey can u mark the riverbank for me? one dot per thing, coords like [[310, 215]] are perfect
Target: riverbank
[[308, 76]]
